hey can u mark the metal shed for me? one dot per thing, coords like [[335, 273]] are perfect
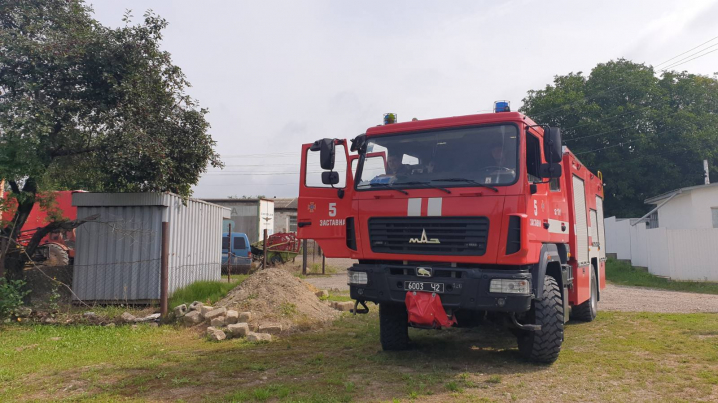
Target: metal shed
[[118, 256]]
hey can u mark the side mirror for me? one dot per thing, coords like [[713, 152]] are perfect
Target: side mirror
[[330, 178], [552, 144], [549, 171], [326, 153]]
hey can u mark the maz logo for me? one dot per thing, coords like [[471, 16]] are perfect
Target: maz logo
[[423, 271], [424, 239]]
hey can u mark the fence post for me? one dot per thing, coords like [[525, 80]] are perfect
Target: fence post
[[264, 246], [304, 257], [229, 255], [164, 263]]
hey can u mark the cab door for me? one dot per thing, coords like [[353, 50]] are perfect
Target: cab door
[[324, 211]]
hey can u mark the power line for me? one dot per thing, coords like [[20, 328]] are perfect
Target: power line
[[611, 117], [605, 148], [697, 57], [598, 134], [621, 86], [282, 154], [689, 50]]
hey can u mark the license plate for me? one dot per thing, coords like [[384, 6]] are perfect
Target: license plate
[[423, 286]]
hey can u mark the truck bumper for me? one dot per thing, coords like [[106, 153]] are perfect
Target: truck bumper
[[463, 288]]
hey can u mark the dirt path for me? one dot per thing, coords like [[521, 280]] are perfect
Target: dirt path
[[613, 298], [639, 299]]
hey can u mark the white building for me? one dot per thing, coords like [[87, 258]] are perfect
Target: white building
[[691, 207], [677, 239]]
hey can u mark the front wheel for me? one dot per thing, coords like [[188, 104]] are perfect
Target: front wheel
[[544, 345], [393, 327]]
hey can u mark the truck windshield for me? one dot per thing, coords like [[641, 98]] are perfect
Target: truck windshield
[[479, 155]]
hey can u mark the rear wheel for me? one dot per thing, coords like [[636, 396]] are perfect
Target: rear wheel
[[587, 311], [393, 327], [55, 255], [545, 344]]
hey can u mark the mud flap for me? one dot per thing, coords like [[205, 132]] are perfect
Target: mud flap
[[425, 310]]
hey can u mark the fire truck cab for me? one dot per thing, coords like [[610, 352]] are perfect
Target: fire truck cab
[[459, 218]]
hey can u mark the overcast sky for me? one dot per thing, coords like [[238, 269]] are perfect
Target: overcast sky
[[275, 74]]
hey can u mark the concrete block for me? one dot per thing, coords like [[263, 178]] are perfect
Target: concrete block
[[238, 329], [192, 318], [215, 313], [232, 317], [259, 337], [219, 321]]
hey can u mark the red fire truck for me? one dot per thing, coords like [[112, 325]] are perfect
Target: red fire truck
[[456, 219]]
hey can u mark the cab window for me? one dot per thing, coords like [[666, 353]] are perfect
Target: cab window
[[533, 158], [314, 170]]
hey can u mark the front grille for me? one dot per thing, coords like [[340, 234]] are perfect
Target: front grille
[[462, 236]]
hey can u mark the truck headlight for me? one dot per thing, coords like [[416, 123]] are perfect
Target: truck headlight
[[357, 277], [509, 286]]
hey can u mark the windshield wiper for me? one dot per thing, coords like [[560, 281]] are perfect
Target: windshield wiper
[[466, 180], [388, 186], [425, 184]]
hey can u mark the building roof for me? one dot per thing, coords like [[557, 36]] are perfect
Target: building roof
[[657, 199], [288, 203], [235, 200]]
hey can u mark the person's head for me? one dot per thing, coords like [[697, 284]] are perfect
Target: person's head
[[497, 152], [393, 163]]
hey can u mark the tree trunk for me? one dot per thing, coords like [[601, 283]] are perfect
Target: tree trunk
[[13, 257]]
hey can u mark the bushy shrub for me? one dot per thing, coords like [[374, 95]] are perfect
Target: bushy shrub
[[11, 295]]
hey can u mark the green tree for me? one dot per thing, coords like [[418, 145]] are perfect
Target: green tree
[[83, 106], [647, 133]]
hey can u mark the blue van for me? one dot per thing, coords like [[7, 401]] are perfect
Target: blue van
[[241, 254]]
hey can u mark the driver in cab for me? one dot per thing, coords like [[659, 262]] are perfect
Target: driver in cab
[[395, 166]]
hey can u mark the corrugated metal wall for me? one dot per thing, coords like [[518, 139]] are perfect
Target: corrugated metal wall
[[117, 258], [195, 242]]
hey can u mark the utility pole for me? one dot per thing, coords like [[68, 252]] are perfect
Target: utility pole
[[707, 174]]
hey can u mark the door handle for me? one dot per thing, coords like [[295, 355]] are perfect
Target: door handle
[[304, 224]]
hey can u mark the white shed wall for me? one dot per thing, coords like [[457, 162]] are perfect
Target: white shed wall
[[681, 254], [677, 213], [702, 202]]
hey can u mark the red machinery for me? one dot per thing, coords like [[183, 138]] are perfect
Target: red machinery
[[488, 211], [57, 248], [281, 247]]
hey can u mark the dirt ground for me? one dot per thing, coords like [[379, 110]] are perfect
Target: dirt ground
[[613, 297]]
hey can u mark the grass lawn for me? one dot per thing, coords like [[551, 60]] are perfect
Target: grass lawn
[[622, 273], [207, 292], [618, 357]]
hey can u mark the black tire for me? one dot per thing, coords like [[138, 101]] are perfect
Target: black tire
[[587, 311], [393, 327], [275, 260], [544, 345], [56, 256]]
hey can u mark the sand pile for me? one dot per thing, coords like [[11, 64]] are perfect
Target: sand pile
[[275, 296]]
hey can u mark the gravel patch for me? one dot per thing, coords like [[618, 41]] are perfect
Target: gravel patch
[[640, 299]]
